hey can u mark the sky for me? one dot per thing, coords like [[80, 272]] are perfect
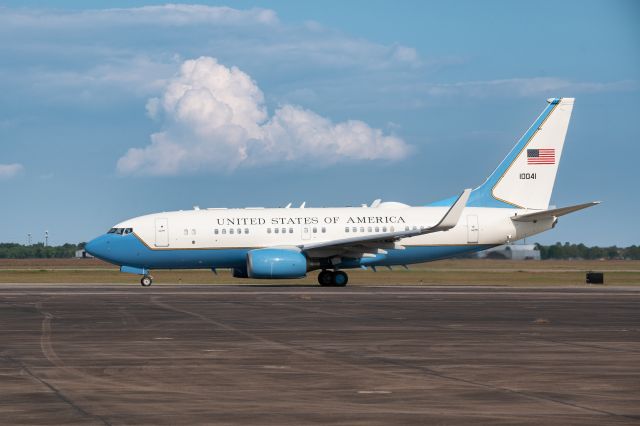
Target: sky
[[110, 110]]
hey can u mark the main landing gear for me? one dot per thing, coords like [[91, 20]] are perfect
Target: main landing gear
[[333, 278], [146, 281]]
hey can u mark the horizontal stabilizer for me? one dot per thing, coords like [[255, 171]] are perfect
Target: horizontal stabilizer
[[546, 214]]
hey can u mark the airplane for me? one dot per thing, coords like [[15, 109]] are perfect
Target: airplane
[[287, 243]]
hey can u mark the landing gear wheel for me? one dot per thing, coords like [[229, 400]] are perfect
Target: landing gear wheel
[[146, 281], [340, 279], [325, 278]]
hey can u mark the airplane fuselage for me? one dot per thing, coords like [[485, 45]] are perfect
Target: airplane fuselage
[[221, 238]]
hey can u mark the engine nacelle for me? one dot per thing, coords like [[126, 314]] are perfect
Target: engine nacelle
[[276, 263]]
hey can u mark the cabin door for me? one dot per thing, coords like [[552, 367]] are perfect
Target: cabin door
[[473, 229], [162, 232]]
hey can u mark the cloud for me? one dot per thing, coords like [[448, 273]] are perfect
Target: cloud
[[215, 119], [175, 15], [8, 171], [127, 51]]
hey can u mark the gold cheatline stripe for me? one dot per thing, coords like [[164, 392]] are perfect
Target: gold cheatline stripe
[[259, 247]]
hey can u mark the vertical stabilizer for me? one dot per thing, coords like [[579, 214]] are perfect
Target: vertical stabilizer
[[525, 178]]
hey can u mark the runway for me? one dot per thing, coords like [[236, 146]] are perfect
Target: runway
[[177, 354]]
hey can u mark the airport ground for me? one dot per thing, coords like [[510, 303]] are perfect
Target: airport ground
[[538, 346], [463, 272]]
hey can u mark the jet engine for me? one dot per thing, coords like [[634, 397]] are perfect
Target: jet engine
[[276, 263]]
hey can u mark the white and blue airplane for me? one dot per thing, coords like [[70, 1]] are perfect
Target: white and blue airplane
[[279, 243]]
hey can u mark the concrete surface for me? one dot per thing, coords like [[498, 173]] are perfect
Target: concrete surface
[[101, 354]]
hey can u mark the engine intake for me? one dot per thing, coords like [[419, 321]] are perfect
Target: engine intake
[[276, 263]]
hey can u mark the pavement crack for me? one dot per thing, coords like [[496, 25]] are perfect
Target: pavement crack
[[57, 392], [525, 394]]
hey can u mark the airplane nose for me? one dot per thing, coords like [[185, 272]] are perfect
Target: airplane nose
[[97, 247]]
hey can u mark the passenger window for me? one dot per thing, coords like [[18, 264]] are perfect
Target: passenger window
[[369, 229], [415, 228], [362, 229], [215, 231], [315, 230], [377, 229], [354, 229], [324, 229], [276, 230], [246, 230], [392, 229], [291, 230], [193, 232], [346, 229], [186, 232], [224, 231], [268, 230], [284, 230], [231, 230], [384, 229], [239, 230]]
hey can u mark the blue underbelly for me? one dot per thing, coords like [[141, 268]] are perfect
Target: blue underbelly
[[130, 251]]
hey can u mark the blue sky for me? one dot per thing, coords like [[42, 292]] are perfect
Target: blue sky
[[341, 103]]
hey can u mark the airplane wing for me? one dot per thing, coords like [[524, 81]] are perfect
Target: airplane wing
[[548, 214], [376, 242]]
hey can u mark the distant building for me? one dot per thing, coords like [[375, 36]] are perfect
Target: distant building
[[82, 254], [512, 251]]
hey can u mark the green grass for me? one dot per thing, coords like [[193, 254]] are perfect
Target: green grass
[[448, 272]]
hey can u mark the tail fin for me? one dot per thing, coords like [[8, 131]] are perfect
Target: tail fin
[[525, 178]]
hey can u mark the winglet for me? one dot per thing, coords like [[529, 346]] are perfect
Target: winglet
[[450, 219]]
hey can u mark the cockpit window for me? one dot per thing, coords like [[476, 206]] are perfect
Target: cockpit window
[[120, 231]]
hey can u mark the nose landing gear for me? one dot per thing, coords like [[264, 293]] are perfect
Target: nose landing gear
[[146, 281], [333, 278]]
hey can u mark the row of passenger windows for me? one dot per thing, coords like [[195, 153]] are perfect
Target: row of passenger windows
[[284, 230], [378, 229], [369, 229], [223, 231], [315, 230]]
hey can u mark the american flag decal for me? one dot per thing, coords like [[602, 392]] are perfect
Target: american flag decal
[[541, 156]]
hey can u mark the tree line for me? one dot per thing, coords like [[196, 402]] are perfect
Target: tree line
[[38, 251], [580, 251], [555, 251]]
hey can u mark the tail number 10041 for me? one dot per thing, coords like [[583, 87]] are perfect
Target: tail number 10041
[[527, 176]]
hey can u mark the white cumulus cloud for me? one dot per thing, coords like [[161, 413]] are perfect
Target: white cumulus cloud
[[7, 171], [215, 119]]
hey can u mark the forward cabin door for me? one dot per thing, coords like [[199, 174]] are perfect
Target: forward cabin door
[[473, 229], [162, 232]]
